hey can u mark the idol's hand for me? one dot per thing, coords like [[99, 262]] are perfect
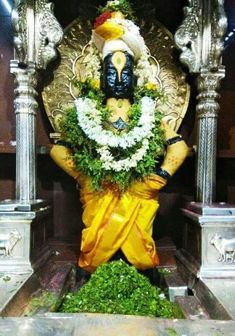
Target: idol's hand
[[62, 157], [157, 181], [176, 152]]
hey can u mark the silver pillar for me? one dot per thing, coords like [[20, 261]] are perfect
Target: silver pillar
[[207, 115], [25, 110], [200, 38], [36, 35]]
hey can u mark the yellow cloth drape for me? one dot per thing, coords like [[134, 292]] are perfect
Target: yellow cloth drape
[[116, 221]]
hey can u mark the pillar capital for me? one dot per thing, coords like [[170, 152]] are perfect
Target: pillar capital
[[36, 32], [25, 78], [208, 82]]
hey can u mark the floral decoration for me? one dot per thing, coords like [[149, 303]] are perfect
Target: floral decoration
[[90, 121], [127, 156], [118, 5], [102, 18]]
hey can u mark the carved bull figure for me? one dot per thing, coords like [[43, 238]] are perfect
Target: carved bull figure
[[8, 242], [226, 248]]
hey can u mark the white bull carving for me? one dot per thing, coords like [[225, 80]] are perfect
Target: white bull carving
[[8, 242], [226, 248]]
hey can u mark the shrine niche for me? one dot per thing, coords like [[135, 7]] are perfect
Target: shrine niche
[[208, 241], [129, 98]]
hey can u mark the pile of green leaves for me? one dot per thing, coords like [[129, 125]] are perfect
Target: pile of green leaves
[[118, 288]]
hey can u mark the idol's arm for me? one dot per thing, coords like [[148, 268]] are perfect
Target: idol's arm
[[62, 157], [176, 153]]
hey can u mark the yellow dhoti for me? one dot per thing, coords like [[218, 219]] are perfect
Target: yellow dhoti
[[116, 221]]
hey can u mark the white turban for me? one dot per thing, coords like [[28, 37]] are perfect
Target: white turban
[[131, 41]]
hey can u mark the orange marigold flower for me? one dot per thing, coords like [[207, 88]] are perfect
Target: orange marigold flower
[[102, 18]]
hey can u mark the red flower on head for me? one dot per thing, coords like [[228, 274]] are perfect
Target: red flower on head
[[102, 18]]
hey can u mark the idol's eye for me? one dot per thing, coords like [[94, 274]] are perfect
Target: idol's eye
[[127, 71], [111, 71]]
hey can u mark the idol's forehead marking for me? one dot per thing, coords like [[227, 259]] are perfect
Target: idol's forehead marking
[[119, 61]]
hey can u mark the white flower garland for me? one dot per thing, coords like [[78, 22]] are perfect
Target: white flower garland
[[145, 72], [109, 162], [89, 119], [113, 2], [93, 63]]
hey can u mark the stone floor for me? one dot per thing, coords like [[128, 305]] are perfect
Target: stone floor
[[10, 284], [224, 290], [69, 251], [111, 325], [53, 324]]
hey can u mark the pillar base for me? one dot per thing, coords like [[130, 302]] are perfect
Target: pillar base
[[22, 235], [14, 205], [23, 249], [209, 240]]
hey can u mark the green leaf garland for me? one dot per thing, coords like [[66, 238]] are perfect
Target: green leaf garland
[[85, 156]]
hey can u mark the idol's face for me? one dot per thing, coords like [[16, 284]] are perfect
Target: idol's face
[[117, 78]]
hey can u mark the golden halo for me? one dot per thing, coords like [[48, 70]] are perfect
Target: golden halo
[[60, 93]]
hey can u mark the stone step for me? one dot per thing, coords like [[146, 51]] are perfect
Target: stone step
[[175, 285], [16, 287], [223, 293], [167, 259], [53, 286], [191, 308], [178, 292], [58, 324], [67, 250], [15, 290], [166, 250]]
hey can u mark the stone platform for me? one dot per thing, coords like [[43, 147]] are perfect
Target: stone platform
[[224, 291], [111, 325]]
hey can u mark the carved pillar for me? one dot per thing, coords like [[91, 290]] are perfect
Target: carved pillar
[[37, 33], [25, 110], [200, 37], [207, 116], [211, 72]]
